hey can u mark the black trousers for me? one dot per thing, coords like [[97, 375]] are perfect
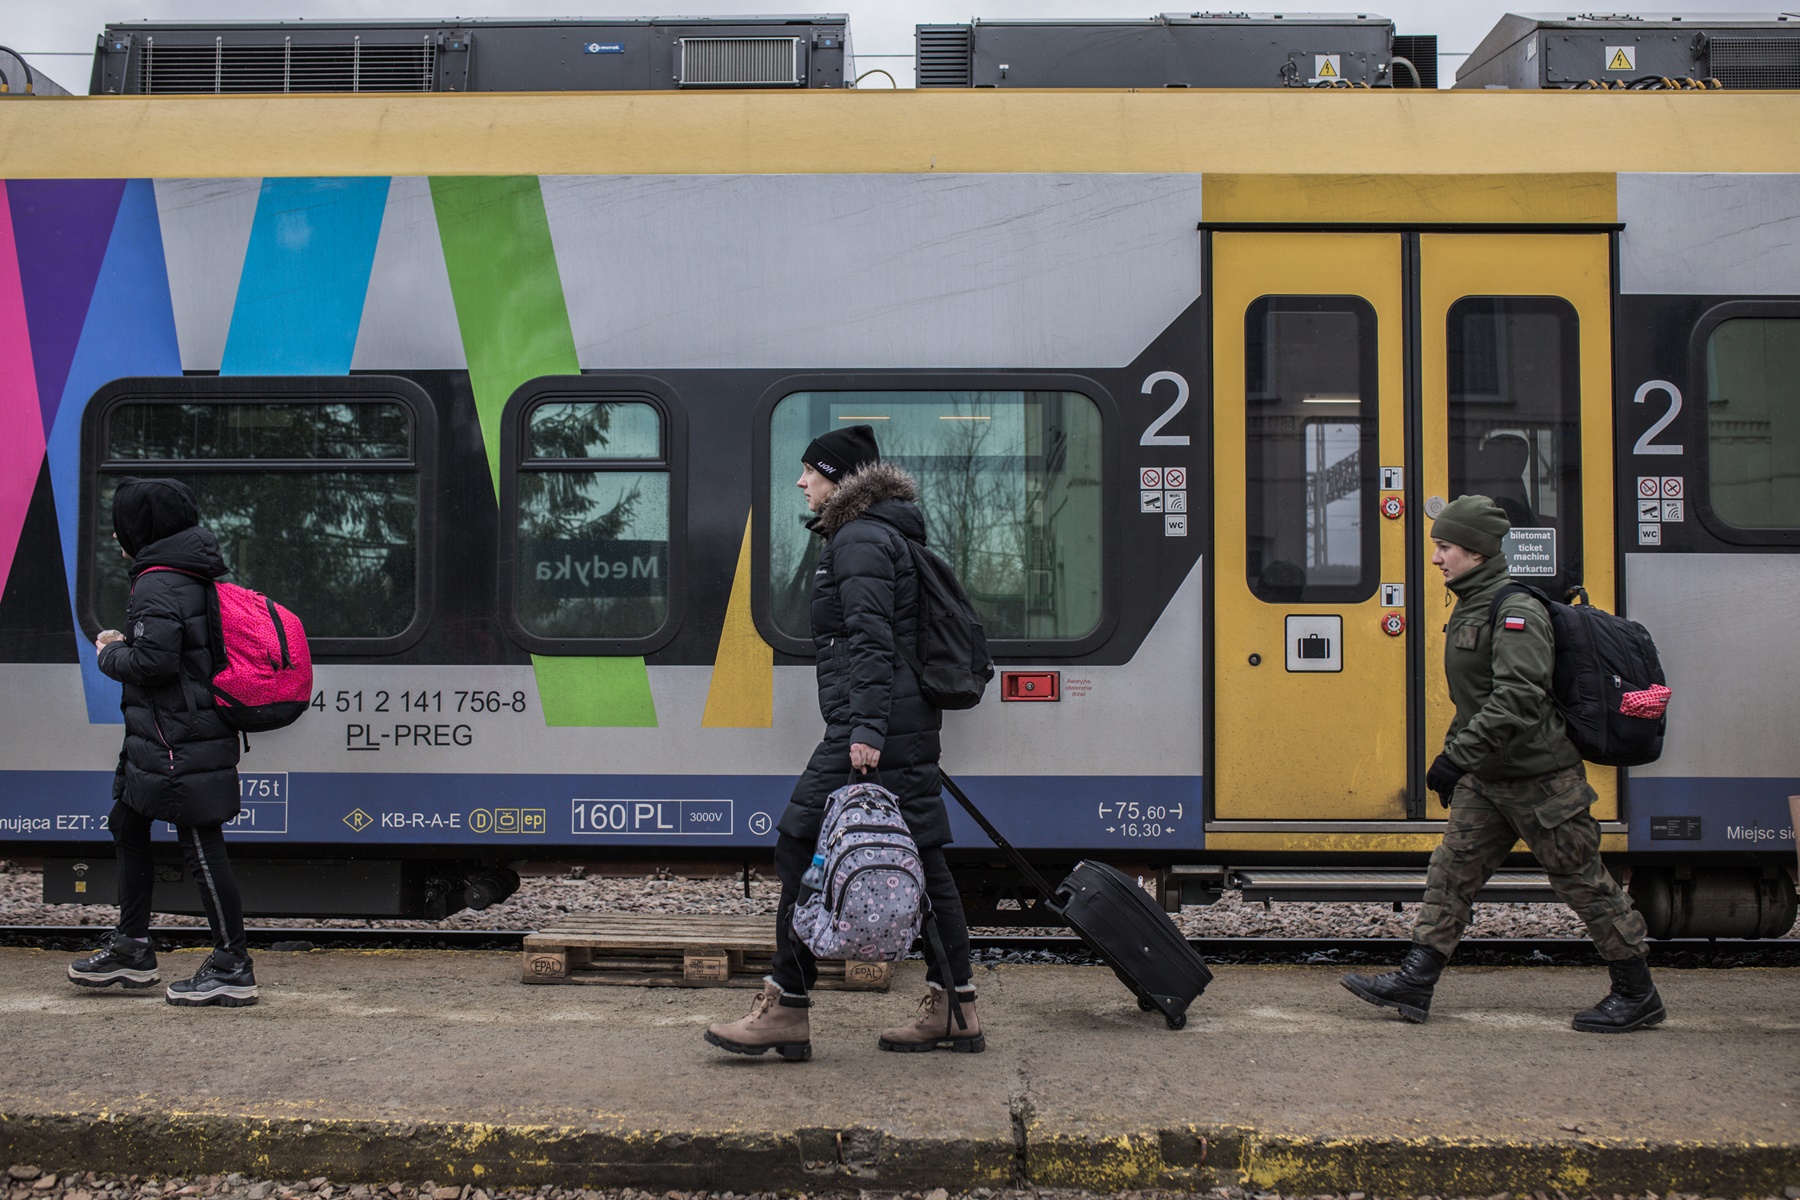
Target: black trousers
[[204, 848], [796, 970]]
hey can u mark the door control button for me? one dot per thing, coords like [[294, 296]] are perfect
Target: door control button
[[1031, 685]]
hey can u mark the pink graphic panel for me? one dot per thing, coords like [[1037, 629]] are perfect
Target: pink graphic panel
[[21, 425]]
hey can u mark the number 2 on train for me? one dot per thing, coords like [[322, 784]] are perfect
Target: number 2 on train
[[1153, 435]]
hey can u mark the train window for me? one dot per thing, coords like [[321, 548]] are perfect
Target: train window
[[314, 496], [1753, 422], [1310, 449], [1514, 393], [1010, 485], [613, 430], [590, 501], [260, 431]]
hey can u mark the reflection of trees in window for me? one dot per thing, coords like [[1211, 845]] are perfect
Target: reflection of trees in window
[[1010, 488], [337, 545], [260, 431], [593, 538], [977, 503]]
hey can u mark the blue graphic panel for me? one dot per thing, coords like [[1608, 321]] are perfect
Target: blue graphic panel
[[130, 330], [1688, 814], [522, 815], [306, 274]]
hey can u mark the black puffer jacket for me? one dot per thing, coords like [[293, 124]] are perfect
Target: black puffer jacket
[[179, 763], [865, 595]]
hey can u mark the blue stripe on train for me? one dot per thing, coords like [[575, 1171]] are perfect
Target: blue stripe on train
[[1711, 813], [523, 814]]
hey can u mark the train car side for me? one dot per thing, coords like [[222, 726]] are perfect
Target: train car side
[[513, 428]]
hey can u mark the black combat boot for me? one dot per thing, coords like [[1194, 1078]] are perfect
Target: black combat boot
[[1632, 1003], [1408, 989]]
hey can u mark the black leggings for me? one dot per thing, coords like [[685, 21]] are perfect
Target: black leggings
[[204, 848], [795, 970]]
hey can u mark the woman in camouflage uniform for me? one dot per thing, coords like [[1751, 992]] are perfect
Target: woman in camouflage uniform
[[1509, 771]]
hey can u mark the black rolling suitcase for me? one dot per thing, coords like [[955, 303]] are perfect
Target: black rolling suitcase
[[1117, 920]]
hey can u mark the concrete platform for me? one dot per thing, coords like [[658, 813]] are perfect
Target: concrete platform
[[410, 1065]]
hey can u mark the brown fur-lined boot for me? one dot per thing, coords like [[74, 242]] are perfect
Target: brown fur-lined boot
[[933, 1028], [772, 1025]]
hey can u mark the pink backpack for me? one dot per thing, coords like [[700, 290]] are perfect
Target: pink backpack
[[265, 680]]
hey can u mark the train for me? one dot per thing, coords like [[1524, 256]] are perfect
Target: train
[[504, 393]]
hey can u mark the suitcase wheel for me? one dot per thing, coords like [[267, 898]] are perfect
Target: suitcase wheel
[[1145, 1005], [1177, 1022]]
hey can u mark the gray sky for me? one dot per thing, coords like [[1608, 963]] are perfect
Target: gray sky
[[57, 36]]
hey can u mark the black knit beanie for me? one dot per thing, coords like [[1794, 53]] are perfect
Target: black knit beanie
[[841, 452], [1473, 522], [149, 510]]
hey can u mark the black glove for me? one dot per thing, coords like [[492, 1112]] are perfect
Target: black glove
[[1443, 776]]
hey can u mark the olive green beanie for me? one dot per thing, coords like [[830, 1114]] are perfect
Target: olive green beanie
[[1473, 522]]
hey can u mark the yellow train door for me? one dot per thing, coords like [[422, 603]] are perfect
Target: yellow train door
[[1516, 387], [1360, 380]]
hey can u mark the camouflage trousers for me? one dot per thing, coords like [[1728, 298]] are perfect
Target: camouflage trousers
[[1550, 812]]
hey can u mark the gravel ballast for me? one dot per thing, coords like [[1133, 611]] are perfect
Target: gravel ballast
[[542, 900]]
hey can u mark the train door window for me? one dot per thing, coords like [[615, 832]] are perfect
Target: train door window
[[1753, 422], [1310, 449], [1514, 395], [591, 517], [313, 488], [1010, 486]]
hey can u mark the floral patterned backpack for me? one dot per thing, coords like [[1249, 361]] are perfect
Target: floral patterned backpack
[[872, 898]]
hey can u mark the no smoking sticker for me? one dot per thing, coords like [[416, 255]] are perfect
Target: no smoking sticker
[[1175, 477], [1152, 477]]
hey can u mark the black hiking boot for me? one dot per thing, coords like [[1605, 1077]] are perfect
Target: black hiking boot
[[1632, 1004], [224, 979], [1407, 990], [121, 960]]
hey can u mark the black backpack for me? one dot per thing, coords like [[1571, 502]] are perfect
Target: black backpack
[[952, 661], [1608, 681]]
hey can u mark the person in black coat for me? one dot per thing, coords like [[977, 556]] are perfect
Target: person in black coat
[[865, 602], [179, 761]]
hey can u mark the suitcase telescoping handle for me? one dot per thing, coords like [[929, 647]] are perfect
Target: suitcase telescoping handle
[[987, 827]]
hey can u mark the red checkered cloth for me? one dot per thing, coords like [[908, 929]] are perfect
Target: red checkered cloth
[[1652, 702]]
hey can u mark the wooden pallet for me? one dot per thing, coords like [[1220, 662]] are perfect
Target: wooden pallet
[[657, 950]]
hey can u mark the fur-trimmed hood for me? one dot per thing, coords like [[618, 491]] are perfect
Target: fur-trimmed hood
[[881, 483]]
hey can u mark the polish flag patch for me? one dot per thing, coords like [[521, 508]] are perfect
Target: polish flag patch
[[1515, 624]]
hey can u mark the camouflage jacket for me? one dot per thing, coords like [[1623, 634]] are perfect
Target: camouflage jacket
[[1506, 725]]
